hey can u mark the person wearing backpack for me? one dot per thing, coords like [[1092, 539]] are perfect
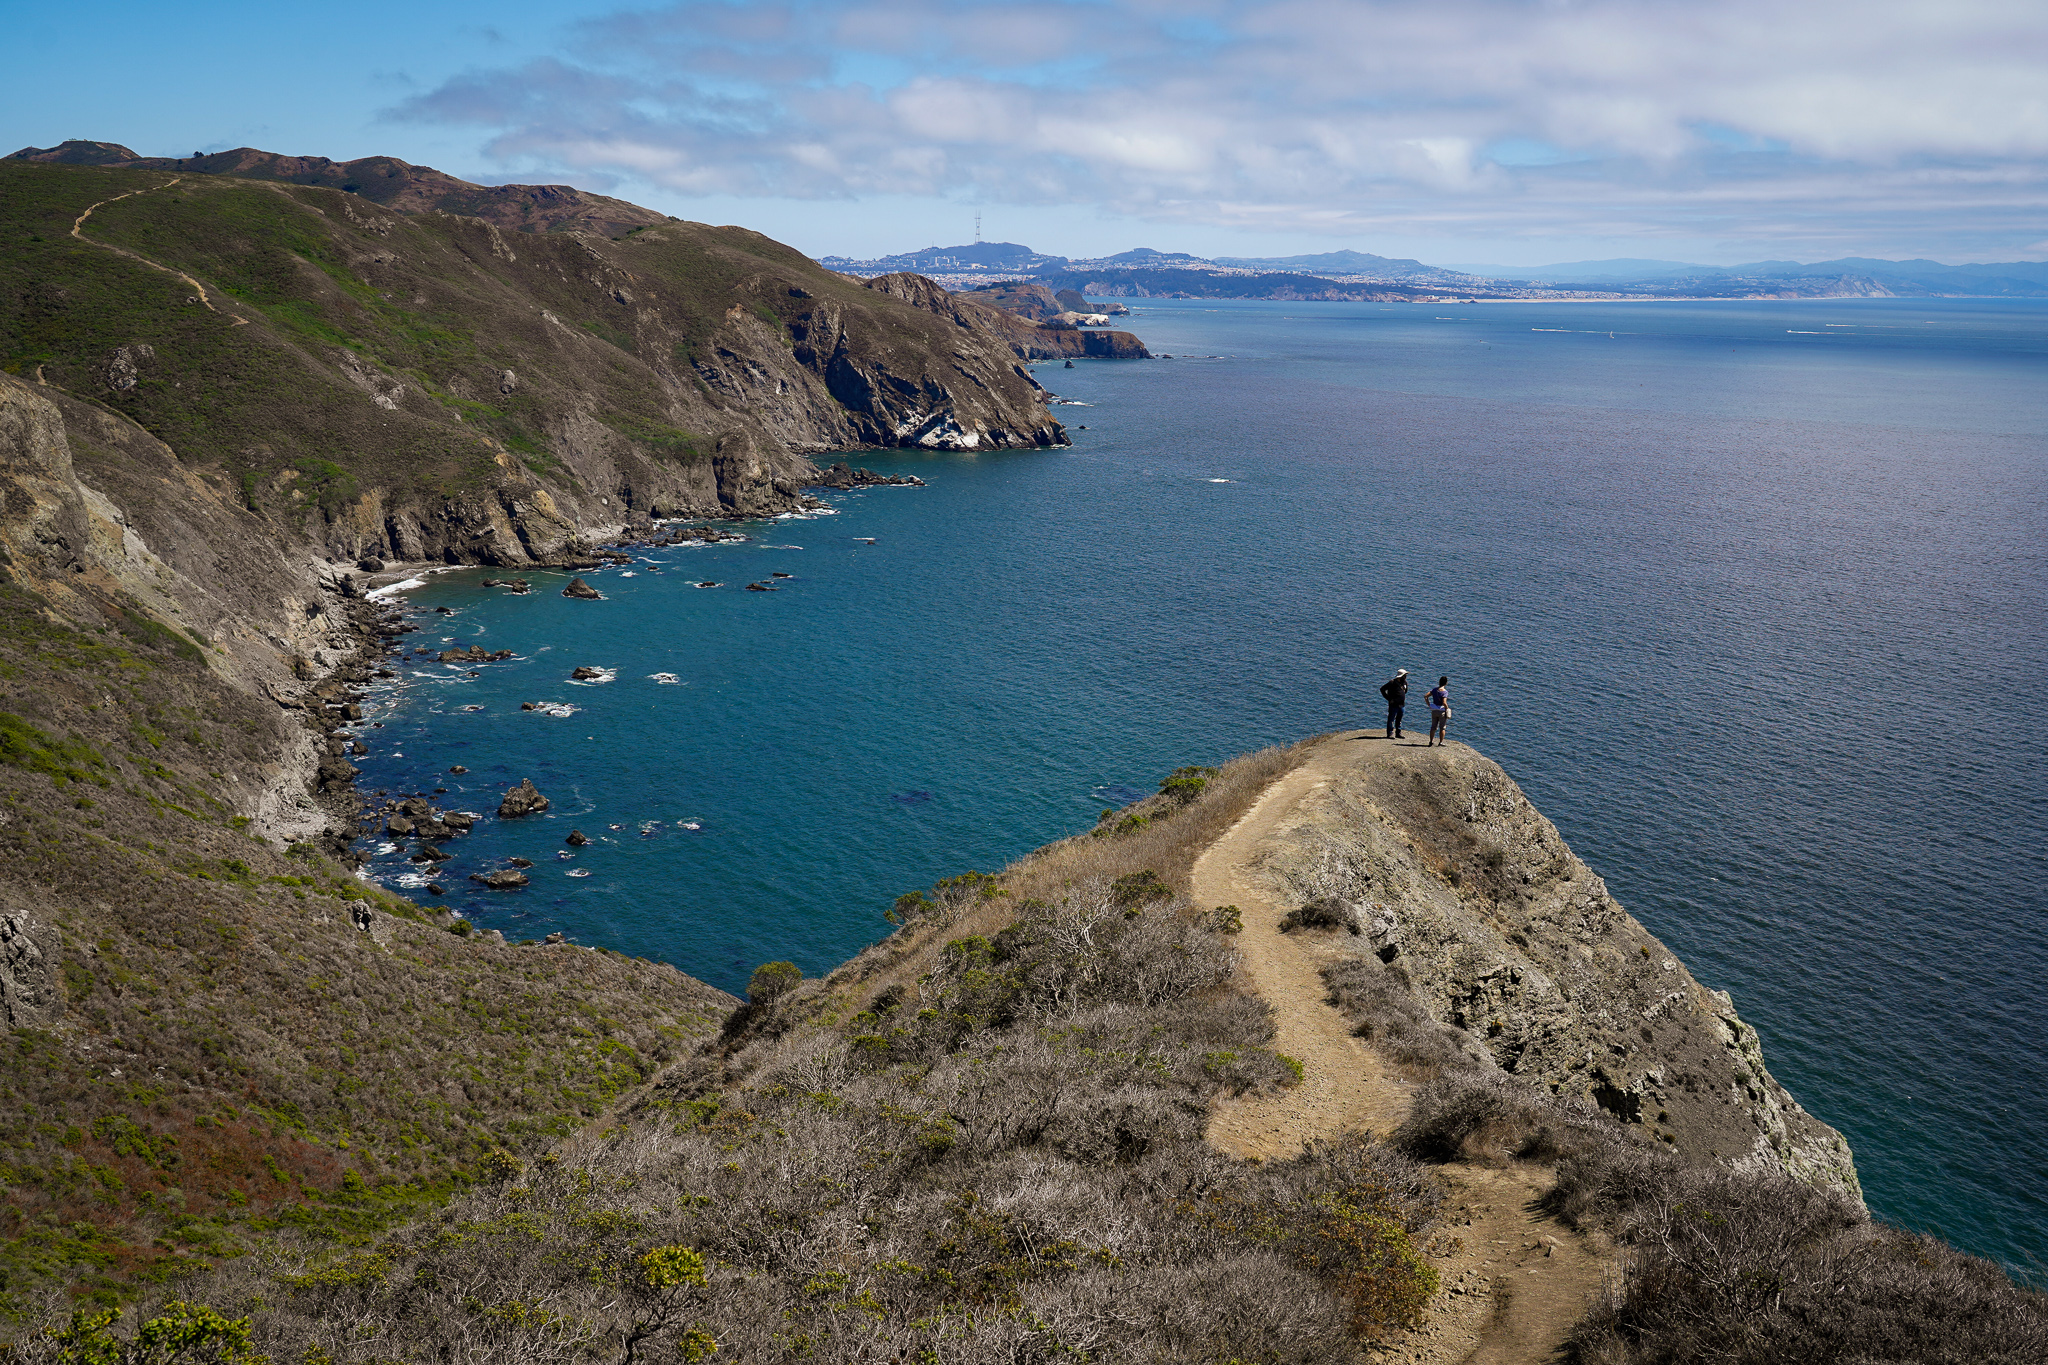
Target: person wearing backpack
[[1439, 699], [1395, 690]]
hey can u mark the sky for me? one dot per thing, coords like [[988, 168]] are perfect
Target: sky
[[1518, 132]]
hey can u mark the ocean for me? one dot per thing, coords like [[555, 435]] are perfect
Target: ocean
[[1751, 598]]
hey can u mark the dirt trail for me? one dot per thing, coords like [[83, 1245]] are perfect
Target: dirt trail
[[77, 230], [1345, 1085], [1514, 1280]]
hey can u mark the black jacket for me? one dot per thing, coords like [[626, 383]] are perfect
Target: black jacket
[[1395, 690]]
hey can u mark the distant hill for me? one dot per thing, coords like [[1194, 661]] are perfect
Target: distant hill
[[1348, 263], [973, 256], [1357, 276], [2018, 279], [1618, 268]]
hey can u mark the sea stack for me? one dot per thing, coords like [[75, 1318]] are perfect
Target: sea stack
[[524, 799]]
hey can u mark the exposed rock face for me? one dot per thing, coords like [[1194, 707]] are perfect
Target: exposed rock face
[[507, 880], [1028, 339], [1464, 889], [31, 991], [578, 588], [843, 475], [524, 799]]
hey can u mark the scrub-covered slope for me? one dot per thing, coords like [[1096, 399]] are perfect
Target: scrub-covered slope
[[428, 385]]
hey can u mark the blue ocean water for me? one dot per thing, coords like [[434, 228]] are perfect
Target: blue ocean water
[[1751, 598]]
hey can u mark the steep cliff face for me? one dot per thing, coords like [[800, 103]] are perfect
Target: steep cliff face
[[1456, 884], [1019, 325], [403, 382]]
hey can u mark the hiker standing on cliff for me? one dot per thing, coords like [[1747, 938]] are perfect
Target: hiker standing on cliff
[[1439, 699], [1395, 690]]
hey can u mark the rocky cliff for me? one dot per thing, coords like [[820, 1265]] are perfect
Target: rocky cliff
[[1458, 888], [1018, 314], [407, 382]]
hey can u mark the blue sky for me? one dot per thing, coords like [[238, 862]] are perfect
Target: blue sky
[[1511, 131]]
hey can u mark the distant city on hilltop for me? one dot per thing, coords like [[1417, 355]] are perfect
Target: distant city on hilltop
[[1360, 276]]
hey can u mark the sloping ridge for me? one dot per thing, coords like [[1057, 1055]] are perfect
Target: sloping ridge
[[384, 180], [1516, 1280]]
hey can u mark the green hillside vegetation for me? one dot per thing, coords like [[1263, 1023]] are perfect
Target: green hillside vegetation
[[305, 347], [227, 1059]]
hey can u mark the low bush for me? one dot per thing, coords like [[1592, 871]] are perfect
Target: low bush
[[1385, 1011], [1323, 912], [1725, 1268]]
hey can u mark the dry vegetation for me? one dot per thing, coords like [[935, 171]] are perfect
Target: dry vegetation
[[1718, 1267], [980, 1142]]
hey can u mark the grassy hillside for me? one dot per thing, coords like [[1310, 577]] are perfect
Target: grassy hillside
[[328, 360], [206, 1052]]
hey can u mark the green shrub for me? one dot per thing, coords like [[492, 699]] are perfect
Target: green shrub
[[1184, 785], [771, 981]]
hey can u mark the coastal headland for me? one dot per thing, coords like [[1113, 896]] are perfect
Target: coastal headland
[[1093, 1105]]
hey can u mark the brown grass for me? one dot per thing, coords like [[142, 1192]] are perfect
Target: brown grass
[[1173, 836]]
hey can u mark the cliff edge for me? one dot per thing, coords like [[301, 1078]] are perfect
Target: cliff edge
[[1443, 878]]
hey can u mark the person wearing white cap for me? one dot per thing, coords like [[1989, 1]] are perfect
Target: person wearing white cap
[[1395, 690]]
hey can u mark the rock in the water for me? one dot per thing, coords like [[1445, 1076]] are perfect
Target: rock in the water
[[528, 706], [458, 769], [762, 587], [507, 880], [520, 862], [436, 889], [585, 673], [578, 588], [555, 938], [524, 799], [577, 838]]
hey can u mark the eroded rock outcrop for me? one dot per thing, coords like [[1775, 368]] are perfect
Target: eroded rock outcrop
[[1463, 891], [524, 799]]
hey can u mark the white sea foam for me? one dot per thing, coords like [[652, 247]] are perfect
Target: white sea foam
[[577, 872], [665, 677], [604, 675], [393, 589], [629, 574]]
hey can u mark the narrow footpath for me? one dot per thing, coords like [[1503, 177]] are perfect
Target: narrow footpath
[[1514, 1280]]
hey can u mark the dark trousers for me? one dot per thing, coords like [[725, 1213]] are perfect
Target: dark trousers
[[1394, 710]]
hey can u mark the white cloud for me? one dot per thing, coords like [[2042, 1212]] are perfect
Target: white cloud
[[1831, 121]]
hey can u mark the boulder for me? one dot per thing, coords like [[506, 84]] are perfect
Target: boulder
[[577, 838], [370, 565], [398, 824], [458, 821], [524, 799], [458, 769], [520, 862], [585, 673], [507, 880], [578, 588]]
